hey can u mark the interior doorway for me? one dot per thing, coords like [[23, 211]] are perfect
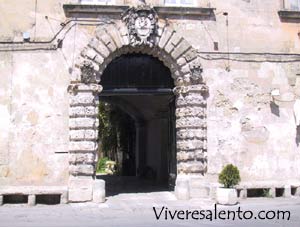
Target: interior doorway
[[139, 104]]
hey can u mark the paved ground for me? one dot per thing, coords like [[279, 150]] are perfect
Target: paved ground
[[137, 210]]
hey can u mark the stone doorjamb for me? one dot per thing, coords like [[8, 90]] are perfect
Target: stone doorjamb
[[112, 40]]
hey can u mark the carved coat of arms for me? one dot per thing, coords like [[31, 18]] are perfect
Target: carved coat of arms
[[142, 25], [87, 72]]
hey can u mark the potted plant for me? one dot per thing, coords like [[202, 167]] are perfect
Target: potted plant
[[229, 177]]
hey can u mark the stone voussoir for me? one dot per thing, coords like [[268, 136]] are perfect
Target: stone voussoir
[[90, 53], [190, 55], [107, 40], [98, 46], [181, 61], [115, 35], [173, 42], [181, 49], [93, 55], [125, 40], [166, 35], [185, 69]]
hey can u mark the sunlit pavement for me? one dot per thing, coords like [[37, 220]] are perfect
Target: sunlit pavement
[[136, 209]]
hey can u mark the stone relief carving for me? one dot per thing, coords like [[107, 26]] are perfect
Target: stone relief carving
[[88, 74], [141, 22], [196, 71], [192, 81]]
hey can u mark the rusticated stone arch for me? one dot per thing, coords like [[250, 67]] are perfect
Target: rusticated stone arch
[[111, 41]]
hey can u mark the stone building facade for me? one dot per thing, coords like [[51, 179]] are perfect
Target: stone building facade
[[235, 66]]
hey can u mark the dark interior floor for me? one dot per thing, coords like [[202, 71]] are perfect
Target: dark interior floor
[[115, 185]]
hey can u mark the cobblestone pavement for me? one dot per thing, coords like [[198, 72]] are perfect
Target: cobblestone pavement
[[136, 209]]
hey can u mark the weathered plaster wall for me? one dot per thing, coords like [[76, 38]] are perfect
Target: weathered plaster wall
[[34, 119], [253, 25], [242, 126], [246, 128], [18, 16]]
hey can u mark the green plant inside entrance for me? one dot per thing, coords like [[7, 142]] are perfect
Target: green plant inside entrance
[[116, 136]]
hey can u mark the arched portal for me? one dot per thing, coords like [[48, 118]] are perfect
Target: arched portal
[[142, 87], [110, 42]]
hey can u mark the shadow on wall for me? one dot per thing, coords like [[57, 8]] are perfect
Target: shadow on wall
[[274, 109], [298, 135]]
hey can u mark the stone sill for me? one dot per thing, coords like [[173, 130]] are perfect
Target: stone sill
[[71, 9], [289, 14]]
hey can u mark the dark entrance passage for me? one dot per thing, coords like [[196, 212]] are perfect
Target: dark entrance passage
[[139, 88]]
